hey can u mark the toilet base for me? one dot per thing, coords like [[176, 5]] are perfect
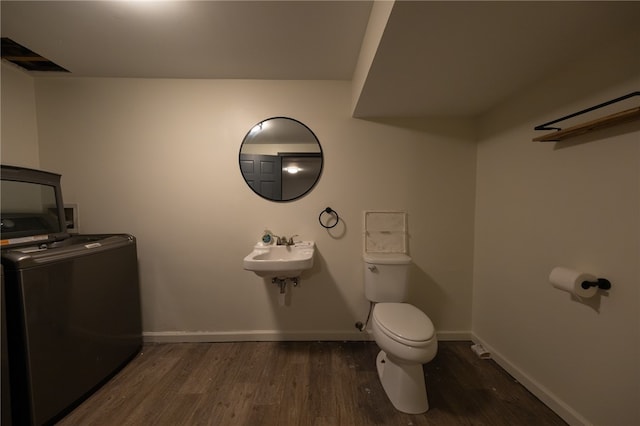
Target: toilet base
[[403, 384]]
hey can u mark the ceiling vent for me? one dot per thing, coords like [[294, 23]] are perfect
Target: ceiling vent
[[27, 59]]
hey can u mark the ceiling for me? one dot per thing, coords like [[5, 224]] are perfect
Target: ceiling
[[433, 58]]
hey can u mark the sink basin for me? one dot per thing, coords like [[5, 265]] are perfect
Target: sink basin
[[280, 261]]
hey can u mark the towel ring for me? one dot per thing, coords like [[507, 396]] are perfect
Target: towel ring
[[331, 212]]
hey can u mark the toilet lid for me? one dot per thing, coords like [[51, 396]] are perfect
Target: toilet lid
[[404, 320]]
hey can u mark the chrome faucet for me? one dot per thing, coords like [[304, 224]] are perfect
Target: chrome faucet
[[283, 241]]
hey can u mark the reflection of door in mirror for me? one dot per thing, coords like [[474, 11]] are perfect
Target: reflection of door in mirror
[[263, 173], [280, 159], [299, 173]]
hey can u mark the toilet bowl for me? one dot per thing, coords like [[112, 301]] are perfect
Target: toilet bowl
[[407, 340], [404, 333]]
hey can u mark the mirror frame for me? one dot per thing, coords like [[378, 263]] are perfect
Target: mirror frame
[[285, 154]]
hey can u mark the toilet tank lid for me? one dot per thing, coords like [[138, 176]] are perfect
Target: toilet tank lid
[[387, 258]]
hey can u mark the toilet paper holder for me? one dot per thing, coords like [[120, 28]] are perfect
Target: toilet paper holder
[[602, 284]]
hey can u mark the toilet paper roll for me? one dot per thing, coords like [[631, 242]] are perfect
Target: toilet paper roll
[[569, 280]]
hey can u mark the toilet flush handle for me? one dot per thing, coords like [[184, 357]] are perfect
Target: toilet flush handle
[[373, 268]]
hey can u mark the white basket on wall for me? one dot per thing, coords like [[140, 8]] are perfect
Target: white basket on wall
[[385, 232]]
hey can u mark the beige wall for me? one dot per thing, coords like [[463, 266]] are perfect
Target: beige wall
[[577, 204], [19, 132], [159, 159]]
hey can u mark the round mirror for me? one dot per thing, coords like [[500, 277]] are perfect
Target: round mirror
[[280, 159]]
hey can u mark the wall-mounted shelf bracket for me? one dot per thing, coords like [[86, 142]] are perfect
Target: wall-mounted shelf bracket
[[610, 120]]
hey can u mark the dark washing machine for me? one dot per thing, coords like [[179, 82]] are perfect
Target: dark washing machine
[[5, 408], [72, 301]]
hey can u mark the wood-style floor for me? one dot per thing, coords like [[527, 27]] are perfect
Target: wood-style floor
[[301, 383]]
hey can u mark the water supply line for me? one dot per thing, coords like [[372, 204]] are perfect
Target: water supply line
[[363, 327], [282, 283]]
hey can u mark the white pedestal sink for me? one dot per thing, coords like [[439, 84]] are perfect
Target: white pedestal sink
[[273, 261]]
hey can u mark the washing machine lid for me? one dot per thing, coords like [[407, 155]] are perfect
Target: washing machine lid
[[405, 321], [32, 209], [387, 258]]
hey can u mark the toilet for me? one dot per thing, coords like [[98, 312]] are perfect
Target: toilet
[[404, 334]]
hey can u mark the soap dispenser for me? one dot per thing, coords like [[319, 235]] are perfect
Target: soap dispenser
[[267, 237]]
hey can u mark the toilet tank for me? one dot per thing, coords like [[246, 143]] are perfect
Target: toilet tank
[[386, 277]]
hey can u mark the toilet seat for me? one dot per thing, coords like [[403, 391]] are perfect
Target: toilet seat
[[404, 323]]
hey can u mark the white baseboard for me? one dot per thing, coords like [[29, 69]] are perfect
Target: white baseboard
[[252, 336], [567, 413], [274, 335]]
